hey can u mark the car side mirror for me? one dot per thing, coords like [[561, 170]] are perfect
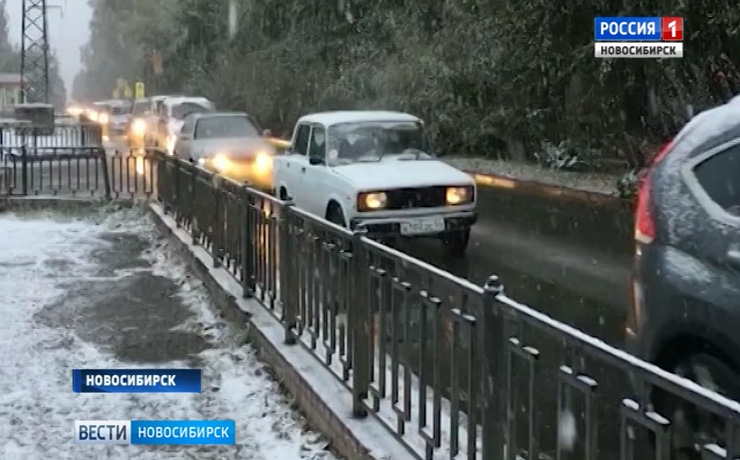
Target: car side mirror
[[315, 160], [267, 133]]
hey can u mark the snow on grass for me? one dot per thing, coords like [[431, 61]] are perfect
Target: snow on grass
[[43, 261], [590, 182]]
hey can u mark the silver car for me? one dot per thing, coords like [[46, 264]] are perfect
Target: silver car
[[229, 143]]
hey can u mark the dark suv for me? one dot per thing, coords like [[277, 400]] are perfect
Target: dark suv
[[685, 311]]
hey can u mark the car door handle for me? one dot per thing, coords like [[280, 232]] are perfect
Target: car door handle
[[303, 169]]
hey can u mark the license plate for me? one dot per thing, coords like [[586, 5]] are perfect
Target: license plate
[[421, 226]]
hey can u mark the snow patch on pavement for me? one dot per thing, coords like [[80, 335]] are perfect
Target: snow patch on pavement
[[48, 266]]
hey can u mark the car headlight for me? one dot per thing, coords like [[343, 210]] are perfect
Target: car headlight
[[459, 195], [93, 115], [103, 118], [138, 127], [370, 201], [220, 162], [262, 163]]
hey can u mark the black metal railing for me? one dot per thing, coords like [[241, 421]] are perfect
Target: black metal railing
[[70, 159], [452, 369]]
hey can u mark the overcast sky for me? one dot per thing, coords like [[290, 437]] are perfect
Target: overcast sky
[[68, 31]]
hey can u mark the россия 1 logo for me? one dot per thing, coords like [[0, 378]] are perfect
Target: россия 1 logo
[[638, 37]]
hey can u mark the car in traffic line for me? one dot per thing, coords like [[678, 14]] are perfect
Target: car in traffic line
[[685, 310], [172, 113], [229, 143], [376, 168], [119, 117]]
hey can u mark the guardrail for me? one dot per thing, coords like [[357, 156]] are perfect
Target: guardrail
[[452, 369]]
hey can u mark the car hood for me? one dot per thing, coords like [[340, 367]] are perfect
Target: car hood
[[391, 173], [233, 147]]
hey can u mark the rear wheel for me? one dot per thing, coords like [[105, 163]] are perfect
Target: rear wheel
[[693, 428], [456, 242]]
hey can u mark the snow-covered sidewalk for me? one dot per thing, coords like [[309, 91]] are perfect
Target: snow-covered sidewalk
[[107, 291]]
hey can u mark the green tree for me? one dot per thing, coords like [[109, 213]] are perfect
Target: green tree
[[496, 78]]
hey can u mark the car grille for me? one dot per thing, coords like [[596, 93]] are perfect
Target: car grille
[[424, 197]]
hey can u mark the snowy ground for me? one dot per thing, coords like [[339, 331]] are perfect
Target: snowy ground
[[106, 291]]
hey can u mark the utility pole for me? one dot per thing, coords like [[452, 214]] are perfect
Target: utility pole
[[35, 51]]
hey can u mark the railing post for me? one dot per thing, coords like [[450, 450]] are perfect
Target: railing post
[[217, 223], [494, 372], [192, 206], [177, 211], [103, 156], [24, 170], [360, 325], [247, 241], [287, 280]]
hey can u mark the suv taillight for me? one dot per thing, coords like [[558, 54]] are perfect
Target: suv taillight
[[644, 222]]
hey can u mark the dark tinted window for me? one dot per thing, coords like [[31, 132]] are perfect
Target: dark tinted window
[[227, 126], [301, 139], [719, 176]]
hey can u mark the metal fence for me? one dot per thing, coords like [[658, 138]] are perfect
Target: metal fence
[[454, 370], [69, 159]]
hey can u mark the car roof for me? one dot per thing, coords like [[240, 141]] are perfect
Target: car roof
[[182, 99], [218, 114], [355, 116]]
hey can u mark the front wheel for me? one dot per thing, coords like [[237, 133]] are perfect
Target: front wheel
[[335, 216], [456, 242]]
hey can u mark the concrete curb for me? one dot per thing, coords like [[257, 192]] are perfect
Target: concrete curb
[[326, 403]]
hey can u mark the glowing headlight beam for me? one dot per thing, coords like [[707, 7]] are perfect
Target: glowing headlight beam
[[456, 195], [262, 163], [138, 127], [221, 162], [376, 200]]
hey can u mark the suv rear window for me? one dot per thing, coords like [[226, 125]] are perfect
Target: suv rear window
[[719, 176]]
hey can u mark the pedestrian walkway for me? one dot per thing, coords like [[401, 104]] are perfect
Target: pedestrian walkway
[[106, 290]]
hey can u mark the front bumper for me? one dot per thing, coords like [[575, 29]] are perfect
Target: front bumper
[[391, 226]]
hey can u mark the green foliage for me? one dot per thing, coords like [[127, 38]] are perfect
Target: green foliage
[[496, 78]]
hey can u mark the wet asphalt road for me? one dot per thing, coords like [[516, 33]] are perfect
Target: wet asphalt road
[[572, 284]]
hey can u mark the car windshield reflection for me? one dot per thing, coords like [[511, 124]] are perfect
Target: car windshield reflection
[[372, 141]]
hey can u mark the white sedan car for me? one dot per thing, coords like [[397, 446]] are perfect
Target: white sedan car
[[373, 168]]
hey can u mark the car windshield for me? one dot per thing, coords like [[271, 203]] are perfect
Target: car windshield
[[140, 107], [184, 109], [227, 126], [371, 141], [120, 110]]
